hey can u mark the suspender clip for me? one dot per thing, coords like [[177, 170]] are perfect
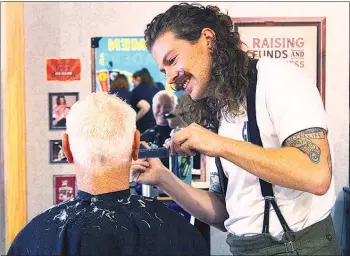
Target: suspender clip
[[289, 246]]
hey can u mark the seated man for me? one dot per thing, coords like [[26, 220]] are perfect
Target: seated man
[[163, 103], [105, 219]]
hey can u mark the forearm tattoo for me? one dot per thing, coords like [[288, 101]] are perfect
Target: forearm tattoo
[[304, 141]]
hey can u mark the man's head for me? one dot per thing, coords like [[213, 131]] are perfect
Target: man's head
[[101, 134], [143, 76], [163, 102], [197, 49], [120, 83]]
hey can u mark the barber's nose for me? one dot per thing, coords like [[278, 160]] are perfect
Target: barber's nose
[[171, 76]]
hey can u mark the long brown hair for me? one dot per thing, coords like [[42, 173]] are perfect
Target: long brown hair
[[228, 83], [145, 77]]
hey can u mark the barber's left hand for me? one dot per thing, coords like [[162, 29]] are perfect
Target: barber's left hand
[[194, 138]]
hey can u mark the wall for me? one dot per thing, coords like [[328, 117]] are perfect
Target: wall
[[2, 187], [63, 30]]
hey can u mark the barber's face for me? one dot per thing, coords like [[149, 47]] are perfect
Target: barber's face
[[163, 106], [186, 65]]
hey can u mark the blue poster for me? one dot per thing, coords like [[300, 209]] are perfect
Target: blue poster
[[124, 55]]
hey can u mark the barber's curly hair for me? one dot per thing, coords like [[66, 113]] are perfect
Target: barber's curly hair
[[228, 85]]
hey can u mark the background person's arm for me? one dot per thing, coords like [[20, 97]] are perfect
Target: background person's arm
[[144, 107]]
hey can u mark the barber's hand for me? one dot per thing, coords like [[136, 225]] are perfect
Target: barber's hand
[[194, 138], [148, 171]]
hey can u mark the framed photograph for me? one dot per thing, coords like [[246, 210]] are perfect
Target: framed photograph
[[301, 41], [60, 104], [57, 155], [64, 188]]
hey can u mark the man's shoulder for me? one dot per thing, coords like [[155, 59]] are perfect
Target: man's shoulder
[[53, 212], [36, 229]]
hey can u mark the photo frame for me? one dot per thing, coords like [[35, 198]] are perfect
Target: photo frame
[[57, 155], [300, 40], [64, 188], [59, 106]]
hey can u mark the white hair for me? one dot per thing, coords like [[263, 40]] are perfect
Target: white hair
[[101, 131], [161, 93]]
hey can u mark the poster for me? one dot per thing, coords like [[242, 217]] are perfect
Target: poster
[[57, 155], [60, 104], [64, 188], [125, 55], [293, 45], [63, 69], [300, 41]]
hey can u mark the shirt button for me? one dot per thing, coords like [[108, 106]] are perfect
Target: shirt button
[[329, 237]]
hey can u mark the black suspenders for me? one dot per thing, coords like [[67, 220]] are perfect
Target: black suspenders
[[254, 137]]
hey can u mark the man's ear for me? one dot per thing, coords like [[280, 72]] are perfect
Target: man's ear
[[66, 148], [136, 145]]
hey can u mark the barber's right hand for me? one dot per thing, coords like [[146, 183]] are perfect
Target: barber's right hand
[[148, 171]]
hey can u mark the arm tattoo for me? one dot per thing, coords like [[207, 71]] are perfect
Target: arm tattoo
[[215, 183], [303, 141], [329, 161]]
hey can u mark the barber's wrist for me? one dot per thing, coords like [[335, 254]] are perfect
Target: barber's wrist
[[164, 177]]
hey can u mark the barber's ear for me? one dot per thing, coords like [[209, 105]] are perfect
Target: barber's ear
[[209, 35], [66, 148], [136, 145]]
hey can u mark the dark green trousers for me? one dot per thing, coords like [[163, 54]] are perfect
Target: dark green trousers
[[318, 239]]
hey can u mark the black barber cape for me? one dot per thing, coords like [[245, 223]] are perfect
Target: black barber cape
[[117, 223]]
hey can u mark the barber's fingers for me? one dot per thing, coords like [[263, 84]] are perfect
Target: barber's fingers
[[139, 165], [141, 161], [177, 140], [145, 144], [187, 150], [167, 143], [138, 176]]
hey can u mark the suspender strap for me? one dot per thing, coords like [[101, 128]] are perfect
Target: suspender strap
[[253, 129], [254, 135], [222, 178]]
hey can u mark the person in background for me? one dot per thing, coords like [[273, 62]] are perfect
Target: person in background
[[105, 219], [141, 99], [160, 86], [60, 111], [163, 103], [120, 87], [166, 112]]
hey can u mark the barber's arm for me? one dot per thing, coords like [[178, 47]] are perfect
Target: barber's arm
[[303, 163], [209, 207], [288, 102]]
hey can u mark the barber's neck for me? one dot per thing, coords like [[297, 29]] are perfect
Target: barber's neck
[[102, 180]]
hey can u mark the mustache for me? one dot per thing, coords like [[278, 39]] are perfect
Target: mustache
[[181, 78]]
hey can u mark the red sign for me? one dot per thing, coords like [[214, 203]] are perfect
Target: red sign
[[63, 69], [64, 188]]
